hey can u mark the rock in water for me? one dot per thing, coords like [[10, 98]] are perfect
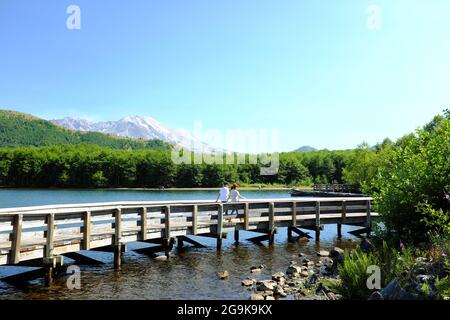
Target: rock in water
[[278, 277], [161, 258], [303, 239], [248, 282], [323, 253], [304, 274], [293, 270], [338, 250], [266, 285], [223, 275], [256, 296]]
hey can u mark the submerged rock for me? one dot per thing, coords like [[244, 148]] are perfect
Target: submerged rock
[[255, 269], [223, 274]]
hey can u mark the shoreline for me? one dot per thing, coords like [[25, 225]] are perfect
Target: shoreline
[[147, 189]]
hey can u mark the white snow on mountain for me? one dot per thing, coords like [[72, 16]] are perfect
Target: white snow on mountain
[[139, 127]]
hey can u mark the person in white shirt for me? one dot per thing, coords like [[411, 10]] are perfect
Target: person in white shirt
[[235, 196], [224, 194]]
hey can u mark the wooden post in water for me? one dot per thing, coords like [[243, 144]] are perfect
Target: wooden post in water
[[318, 221], [14, 255], [219, 226], [294, 221], [271, 223], [236, 234], [117, 238], [143, 236]]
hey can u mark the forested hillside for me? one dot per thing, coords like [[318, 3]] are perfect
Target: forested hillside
[[22, 130]]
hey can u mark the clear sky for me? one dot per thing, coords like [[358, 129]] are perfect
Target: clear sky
[[311, 69]]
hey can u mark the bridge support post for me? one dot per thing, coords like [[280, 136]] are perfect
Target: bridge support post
[[271, 223], [289, 234], [317, 233], [51, 264], [180, 242], [219, 227], [317, 221], [118, 256], [339, 231], [236, 235]]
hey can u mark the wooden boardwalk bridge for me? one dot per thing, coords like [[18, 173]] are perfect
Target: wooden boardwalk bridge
[[41, 236]]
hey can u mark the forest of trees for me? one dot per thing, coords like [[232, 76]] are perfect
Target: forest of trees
[[88, 165]]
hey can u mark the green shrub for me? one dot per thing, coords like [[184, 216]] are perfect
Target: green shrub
[[443, 287], [413, 174], [353, 275]]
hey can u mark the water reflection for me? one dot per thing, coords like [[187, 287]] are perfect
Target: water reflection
[[189, 274]]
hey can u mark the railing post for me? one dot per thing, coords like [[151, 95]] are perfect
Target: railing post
[[318, 221], [246, 216], [369, 217], [143, 223], [219, 226], [14, 255], [117, 238], [294, 214], [343, 216], [271, 222], [87, 230], [50, 235], [167, 230], [194, 219]]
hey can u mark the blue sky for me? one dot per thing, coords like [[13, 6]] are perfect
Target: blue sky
[[311, 69]]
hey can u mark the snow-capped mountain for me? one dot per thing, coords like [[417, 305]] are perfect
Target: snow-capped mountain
[[138, 127]]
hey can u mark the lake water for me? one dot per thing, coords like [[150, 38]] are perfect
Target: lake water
[[33, 197], [189, 274]]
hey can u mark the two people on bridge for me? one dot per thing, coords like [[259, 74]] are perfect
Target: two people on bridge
[[225, 195]]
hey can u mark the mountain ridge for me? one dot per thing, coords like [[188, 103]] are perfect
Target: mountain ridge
[[138, 127]]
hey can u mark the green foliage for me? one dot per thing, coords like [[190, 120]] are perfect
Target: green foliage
[[353, 272], [364, 163], [443, 287], [353, 275], [19, 130], [409, 183]]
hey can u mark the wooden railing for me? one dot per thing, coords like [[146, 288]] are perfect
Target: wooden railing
[[46, 231]]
